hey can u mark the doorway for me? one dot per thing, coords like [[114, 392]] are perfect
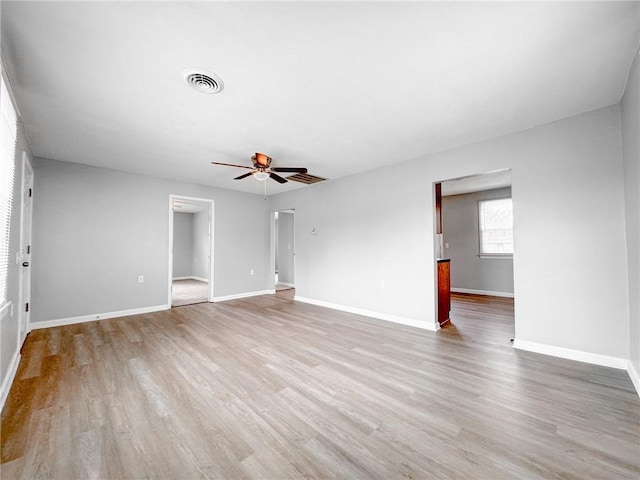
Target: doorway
[[191, 243], [26, 209], [474, 237], [284, 250]]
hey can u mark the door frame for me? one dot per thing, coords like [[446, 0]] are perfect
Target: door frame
[[26, 225], [438, 238], [211, 208], [271, 285]]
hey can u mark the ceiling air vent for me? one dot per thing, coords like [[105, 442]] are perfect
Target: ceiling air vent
[[202, 81], [305, 178]]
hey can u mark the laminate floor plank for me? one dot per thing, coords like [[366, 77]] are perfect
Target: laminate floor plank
[[267, 387]]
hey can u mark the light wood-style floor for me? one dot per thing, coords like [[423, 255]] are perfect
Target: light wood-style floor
[[269, 388]]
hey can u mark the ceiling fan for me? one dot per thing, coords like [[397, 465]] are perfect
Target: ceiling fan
[[262, 169]]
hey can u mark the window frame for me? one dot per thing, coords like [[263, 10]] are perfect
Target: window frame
[[9, 113], [495, 256]]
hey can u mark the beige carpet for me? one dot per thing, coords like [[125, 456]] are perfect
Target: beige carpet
[[188, 292]]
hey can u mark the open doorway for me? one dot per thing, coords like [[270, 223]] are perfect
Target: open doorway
[[284, 251], [474, 238], [190, 250]]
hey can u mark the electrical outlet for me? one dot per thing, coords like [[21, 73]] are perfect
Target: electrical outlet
[[140, 278], [251, 272], [381, 283]]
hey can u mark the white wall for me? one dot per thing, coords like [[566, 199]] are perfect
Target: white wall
[[182, 244], [96, 230], [569, 266], [200, 245], [631, 147], [286, 247], [460, 232]]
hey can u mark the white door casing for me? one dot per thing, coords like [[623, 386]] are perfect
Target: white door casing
[[24, 254]]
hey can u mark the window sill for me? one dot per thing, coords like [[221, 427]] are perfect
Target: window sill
[[497, 257]]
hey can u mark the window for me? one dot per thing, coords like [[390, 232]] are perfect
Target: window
[[8, 134], [496, 227]]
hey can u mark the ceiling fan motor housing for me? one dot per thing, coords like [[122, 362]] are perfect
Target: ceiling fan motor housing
[[261, 160]]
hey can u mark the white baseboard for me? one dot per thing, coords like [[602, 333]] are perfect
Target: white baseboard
[[482, 292], [368, 313], [287, 284], [236, 296], [635, 378], [98, 316], [8, 380], [578, 355], [201, 279]]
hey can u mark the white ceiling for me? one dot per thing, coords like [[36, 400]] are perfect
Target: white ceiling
[[187, 205], [337, 87]]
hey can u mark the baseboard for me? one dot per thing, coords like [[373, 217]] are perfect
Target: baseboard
[[236, 296], [635, 378], [8, 380], [368, 313], [482, 292], [201, 279], [98, 316], [578, 355], [292, 285]]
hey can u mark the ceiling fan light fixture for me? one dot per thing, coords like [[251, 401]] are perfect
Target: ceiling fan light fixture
[[262, 176]]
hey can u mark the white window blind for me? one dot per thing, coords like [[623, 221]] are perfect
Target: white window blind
[[496, 227], [8, 135]]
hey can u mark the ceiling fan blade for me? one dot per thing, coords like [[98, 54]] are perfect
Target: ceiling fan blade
[[243, 176], [289, 169], [231, 165], [277, 178]]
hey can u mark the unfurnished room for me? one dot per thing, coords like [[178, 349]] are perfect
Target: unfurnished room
[[278, 240]]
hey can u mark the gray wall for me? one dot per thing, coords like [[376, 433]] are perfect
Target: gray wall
[[460, 231], [286, 248], [631, 147], [96, 230], [182, 244], [200, 245], [566, 179]]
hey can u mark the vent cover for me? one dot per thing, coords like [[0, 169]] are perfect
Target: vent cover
[[202, 81], [305, 178]]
